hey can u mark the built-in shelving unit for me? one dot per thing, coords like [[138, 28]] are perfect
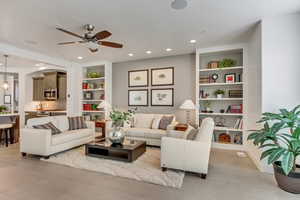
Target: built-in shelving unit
[[229, 121], [95, 91]]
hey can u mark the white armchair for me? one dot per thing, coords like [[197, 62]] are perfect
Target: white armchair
[[189, 155]]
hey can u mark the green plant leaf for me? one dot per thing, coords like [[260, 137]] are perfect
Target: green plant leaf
[[287, 162], [296, 133], [267, 153], [275, 155], [267, 145]]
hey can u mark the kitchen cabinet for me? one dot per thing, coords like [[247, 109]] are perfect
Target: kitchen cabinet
[[38, 89], [62, 87], [50, 80]]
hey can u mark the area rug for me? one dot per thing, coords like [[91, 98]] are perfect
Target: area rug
[[146, 168]]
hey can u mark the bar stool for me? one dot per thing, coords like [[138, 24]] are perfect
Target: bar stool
[[7, 129]]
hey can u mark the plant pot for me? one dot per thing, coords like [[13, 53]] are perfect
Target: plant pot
[[219, 96], [290, 183]]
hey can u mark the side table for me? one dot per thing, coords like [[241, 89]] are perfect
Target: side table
[[102, 125]]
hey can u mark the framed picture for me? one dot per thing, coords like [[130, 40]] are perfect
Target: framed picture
[[162, 97], [138, 78], [230, 78], [138, 97], [162, 76], [7, 99], [88, 95]]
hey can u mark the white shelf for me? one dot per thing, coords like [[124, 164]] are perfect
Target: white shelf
[[90, 90], [221, 69], [93, 111], [221, 114], [91, 100], [221, 99], [93, 79], [220, 84], [218, 128]]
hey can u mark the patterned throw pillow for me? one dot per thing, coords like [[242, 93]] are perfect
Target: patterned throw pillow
[[54, 129], [165, 122], [76, 123]]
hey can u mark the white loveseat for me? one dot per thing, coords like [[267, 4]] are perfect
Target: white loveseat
[[189, 155], [42, 142], [145, 127]]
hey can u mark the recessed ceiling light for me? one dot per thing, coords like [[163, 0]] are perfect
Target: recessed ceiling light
[[168, 49], [42, 68], [193, 41], [130, 54], [79, 57], [179, 4], [148, 52]]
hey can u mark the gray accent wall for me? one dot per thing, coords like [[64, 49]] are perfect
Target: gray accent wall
[[184, 87]]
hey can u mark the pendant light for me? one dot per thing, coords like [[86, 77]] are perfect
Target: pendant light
[[5, 83]]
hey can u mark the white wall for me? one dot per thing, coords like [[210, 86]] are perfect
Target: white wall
[[274, 48], [253, 91], [281, 62]]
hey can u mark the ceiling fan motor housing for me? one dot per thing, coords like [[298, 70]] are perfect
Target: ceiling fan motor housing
[[89, 27]]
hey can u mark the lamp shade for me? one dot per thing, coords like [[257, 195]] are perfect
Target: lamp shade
[[187, 105]]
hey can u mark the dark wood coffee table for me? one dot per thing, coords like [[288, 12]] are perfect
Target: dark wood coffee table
[[128, 152]]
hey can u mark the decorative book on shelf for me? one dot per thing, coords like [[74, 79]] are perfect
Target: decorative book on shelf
[[237, 108]]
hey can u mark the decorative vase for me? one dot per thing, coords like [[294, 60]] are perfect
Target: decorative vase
[[116, 136]]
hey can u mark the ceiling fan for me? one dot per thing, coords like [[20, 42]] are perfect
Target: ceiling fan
[[93, 40]]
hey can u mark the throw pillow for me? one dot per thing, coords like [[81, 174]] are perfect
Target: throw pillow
[[155, 122], [192, 134], [165, 122], [54, 129], [76, 123]]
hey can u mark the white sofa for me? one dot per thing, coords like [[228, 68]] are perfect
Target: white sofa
[[145, 127], [42, 142], [189, 155]]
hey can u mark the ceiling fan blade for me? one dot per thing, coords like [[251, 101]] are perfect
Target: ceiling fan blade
[[93, 50], [110, 44], [102, 35], [64, 43], [70, 33]]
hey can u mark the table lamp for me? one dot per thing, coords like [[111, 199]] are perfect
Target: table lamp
[[188, 105]]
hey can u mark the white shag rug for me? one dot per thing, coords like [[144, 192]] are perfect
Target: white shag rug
[[146, 168]]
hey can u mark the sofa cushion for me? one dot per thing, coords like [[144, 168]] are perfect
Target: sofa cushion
[[62, 122], [143, 120], [145, 133], [68, 136], [48, 125], [76, 123]]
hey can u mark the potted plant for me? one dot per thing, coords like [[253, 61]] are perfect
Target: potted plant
[[219, 93], [3, 108], [227, 62], [118, 118], [280, 141]]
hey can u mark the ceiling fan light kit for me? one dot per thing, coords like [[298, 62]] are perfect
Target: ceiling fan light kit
[[92, 40], [179, 4]]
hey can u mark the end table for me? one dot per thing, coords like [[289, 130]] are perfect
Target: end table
[[102, 125]]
